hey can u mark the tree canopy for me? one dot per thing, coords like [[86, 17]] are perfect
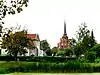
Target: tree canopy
[[11, 7], [16, 43], [84, 41], [44, 45]]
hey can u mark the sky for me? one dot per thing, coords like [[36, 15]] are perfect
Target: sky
[[46, 18]]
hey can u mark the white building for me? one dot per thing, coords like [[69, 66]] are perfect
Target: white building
[[36, 42]]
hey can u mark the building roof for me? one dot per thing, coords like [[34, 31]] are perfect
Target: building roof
[[33, 36]]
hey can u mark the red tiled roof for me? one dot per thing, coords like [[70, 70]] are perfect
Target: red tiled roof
[[32, 36]]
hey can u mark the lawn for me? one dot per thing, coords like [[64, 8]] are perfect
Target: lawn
[[52, 74]]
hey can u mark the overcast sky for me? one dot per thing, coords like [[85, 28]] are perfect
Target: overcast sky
[[46, 17]]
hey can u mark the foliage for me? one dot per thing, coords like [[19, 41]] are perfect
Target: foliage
[[36, 58], [73, 42], [15, 43], [78, 49], [54, 51], [44, 45], [11, 7], [61, 53], [48, 52], [48, 67], [68, 52], [97, 60], [91, 56], [84, 40], [96, 48], [64, 52], [82, 32]]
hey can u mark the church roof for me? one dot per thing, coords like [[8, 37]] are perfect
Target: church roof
[[33, 36]]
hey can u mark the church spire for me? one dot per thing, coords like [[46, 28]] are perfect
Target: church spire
[[65, 34], [65, 28], [92, 34]]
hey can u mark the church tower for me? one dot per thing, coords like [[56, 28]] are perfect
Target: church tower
[[64, 41]]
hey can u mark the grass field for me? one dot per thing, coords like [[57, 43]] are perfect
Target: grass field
[[52, 74]]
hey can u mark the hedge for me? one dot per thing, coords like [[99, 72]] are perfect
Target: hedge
[[48, 67], [36, 59]]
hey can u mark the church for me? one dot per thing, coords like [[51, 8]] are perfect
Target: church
[[64, 41]]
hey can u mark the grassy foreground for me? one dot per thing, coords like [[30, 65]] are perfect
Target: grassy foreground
[[29, 68], [52, 74]]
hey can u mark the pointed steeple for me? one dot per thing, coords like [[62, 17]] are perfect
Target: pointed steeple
[[65, 34], [92, 34], [65, 28]]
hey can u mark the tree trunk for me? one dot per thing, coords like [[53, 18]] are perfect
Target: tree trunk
[[15, 56]]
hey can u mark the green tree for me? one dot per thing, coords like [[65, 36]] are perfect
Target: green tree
[[15, 43], [72, 45], [85, 40], [78, 49], [82, 32], [61, 53], [48, 52], [96, 49], [44, 45], [54, 51], [68, 52], [91, 56], [65, 52], [11, 7]]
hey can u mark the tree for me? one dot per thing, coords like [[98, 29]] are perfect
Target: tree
[[11, 7], [72, 44], [44, 45], [48, 52], [68, 52], [65, 52], [15, 43], [82, 32], [91, 56], [54, 51], [78, 49], [96, 49], [85, 40]]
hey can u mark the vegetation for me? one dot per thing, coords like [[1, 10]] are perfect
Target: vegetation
[[36, 58], [48, 67], [10, 7], [54, 51], [65, 52], [44, 45], [84, 41], [16, 43], [54, 73]]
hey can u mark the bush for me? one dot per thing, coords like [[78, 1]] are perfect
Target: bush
[[91, 56], [65, 67], [37, 58]]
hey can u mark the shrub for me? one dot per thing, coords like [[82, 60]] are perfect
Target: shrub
[[70, 66], [37, 58], [91, 56]]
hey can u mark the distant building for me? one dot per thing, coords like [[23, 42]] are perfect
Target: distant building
[[34, 51], [64, 41], [36, 40]]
